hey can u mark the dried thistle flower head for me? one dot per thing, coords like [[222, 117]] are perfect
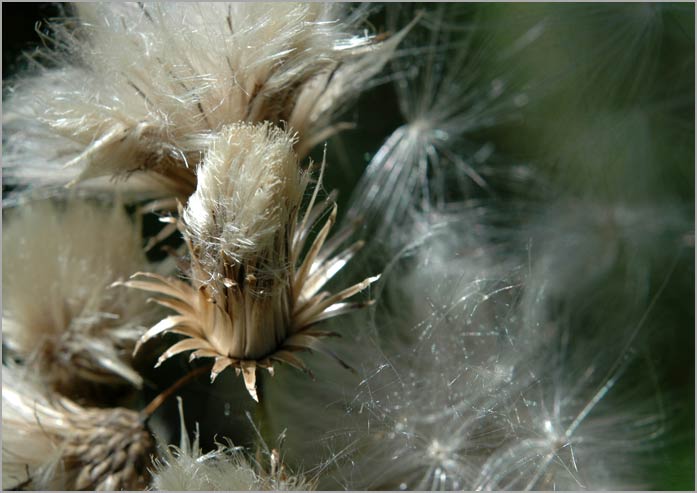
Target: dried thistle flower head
[[227, 468], [52, 443], [59, 314], [138, 87], [252, 300]]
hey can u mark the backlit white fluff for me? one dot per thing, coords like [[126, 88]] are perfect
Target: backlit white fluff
[[602, 251], [227, 468], [512, 340], [586, 423], [445, 98], [480, 382], [433, 396], [246, 195], [594, 415], [59, 314], [138, 87], [440, 400]]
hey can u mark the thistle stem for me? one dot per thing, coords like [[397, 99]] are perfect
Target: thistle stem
[[167, 393], [260, 412]]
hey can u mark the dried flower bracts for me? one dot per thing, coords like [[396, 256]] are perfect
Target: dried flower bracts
[[59, 314], [252, 300], [52, 443]]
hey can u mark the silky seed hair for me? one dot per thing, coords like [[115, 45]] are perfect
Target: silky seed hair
[[226, 468], [473, 377], [515, 360], [437, 155], [245, 199]]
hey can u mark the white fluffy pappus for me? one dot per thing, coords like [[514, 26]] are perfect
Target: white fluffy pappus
[[59, 314], [594, 417], [584, 423], [435, 381], [601, 251], [227, 468], [139, 87], [52, 443], [446, 97], [33, 153], [480, 383], [440, 400], [247, 193]]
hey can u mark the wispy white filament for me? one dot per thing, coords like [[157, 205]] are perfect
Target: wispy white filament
[[445, 98], [479, 381], [248, 188]]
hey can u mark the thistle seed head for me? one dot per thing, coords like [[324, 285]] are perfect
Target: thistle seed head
[[252, 299], [51, 442], [141, 87], [248, 188], [112, 450], [59, 314]]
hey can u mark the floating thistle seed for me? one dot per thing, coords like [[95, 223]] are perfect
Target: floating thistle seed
[[50, 442], [446, 99], [252, 300]]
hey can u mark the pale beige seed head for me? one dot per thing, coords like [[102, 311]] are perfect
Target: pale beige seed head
[[134, 86], [52, 443], [252, 299], [249, 187], [237, 225], [59, 314]]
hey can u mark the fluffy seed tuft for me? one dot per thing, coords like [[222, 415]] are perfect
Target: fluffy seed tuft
[[227, 468]]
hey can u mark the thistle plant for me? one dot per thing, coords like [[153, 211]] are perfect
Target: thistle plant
[[501, 272], [253, 300]]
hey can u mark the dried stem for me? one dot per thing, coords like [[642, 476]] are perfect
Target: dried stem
[[167, 393]]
